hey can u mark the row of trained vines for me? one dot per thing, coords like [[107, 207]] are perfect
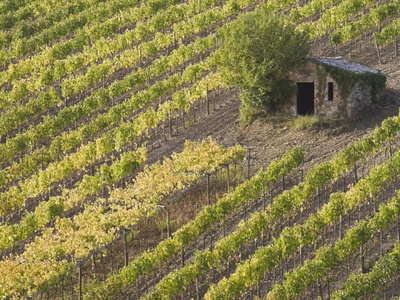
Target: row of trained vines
[[148, 119], [48, 212], [98, 224], [284, 207], [222, 249], [91, 91], [44, 179]]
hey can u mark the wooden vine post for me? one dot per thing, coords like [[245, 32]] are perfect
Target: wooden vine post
[[362, 268], [197, 289], [248, 161], [168, 219], [398, 227], [228, 178], [378, 52], [207, 101], [125, 246], [177, 124], [208, 189], [80, 261], [169, 124]]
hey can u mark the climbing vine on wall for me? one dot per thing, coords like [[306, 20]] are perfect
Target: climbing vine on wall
[[346, 80]]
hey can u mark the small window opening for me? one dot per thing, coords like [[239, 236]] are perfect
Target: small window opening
[[330, 91]]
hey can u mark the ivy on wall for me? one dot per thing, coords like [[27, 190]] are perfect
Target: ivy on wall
[[346, 80]]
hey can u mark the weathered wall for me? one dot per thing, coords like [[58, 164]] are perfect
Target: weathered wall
[[310, 72], [358, 98]]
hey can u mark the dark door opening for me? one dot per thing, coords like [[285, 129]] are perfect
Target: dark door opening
[[305, 98]]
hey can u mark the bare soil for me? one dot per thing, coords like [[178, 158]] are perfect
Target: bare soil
[[271, 136]]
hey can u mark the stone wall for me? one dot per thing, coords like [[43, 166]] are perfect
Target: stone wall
[[308, 71], [359, 99]]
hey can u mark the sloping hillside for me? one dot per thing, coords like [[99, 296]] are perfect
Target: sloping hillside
[[95, 98]]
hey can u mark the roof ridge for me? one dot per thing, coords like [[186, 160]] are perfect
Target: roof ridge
[[343, 63]]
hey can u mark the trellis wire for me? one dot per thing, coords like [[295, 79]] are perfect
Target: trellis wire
[[120, 238]]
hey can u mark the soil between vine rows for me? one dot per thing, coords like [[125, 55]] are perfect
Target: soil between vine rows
[[276, 274], [270, 137], [326, 139]]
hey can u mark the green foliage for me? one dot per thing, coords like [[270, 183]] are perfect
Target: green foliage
[[91, 51], [327, 257], [346, 80], [293, 237], [358, 285], [257, 53], [246, 111], [305, 122], [175, 281]]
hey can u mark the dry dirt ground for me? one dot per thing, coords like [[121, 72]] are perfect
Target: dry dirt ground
[[271, 136]]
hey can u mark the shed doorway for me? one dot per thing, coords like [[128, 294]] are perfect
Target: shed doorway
[[305, 98]]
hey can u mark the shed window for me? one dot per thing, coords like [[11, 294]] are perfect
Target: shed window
[[330, 91]]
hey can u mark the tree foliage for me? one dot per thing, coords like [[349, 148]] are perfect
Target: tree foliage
[[256, 55]]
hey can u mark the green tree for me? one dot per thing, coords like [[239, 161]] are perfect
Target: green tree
[[256, 55]]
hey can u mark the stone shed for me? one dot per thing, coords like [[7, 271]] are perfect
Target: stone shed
[[329, 86]]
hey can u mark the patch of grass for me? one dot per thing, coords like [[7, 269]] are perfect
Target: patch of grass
[[306, 122]]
